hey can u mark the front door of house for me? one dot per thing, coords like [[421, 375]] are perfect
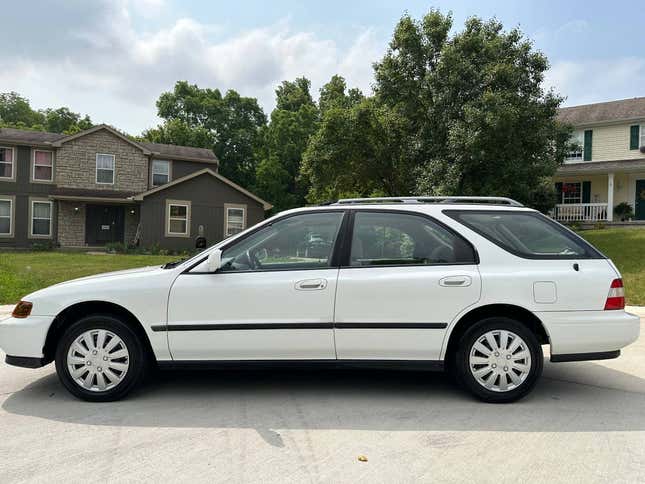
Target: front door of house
[[103, 224], [639, 206]]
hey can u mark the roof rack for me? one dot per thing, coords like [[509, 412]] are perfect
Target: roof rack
[[447, 199]]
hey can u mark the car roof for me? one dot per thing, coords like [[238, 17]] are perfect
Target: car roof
[[419, 204]]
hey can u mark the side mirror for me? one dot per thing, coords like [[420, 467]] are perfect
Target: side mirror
[[214, 260]]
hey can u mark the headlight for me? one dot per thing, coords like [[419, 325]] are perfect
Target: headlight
[[22, 309]]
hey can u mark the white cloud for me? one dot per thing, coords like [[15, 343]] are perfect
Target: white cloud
[[597, 80], [95, 61]]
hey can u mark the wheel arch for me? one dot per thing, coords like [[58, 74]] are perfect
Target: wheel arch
[[520, 314], [76, 311]]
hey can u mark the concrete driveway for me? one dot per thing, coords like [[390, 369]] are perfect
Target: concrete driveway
[[585, 422]]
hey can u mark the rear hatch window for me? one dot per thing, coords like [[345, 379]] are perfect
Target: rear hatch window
[[526, 234]]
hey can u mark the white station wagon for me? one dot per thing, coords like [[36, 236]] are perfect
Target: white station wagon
[[473, 285]]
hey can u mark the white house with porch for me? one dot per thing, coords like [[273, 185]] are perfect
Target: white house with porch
[[609, 167]]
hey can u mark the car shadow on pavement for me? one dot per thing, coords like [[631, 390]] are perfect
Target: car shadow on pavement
[[577, 397]]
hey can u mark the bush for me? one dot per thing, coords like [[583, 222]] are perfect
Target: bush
[[42, 246], [115, 248], [624, 211]]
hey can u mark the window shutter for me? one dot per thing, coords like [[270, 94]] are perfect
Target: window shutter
[[558, 192], [586, 192], [588, 142], [634, 133]]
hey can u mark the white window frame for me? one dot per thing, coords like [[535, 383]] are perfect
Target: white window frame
[[232, 206], [32, 202], [642, 136], [578, 155], [178, 203], [34, 165], [12, 207], [152, 172], [105, 169], [13, 164], [571, 201]]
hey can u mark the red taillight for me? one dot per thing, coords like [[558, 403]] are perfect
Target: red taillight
[[22, 309], [616, 296]]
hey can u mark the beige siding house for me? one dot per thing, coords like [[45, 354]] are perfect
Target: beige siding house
[[609, 166]]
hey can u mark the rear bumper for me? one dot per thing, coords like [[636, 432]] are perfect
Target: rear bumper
[[592, 332], [606, 355], [24, 337]]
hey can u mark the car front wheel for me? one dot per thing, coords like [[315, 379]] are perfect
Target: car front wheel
[[499, 360], [100, 358]]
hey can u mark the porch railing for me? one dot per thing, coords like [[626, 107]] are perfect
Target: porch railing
[[580, 212]]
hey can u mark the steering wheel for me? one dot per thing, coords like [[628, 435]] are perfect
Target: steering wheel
[[254, 262]]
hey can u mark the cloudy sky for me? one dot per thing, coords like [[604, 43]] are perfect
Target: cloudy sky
[[112, 59]]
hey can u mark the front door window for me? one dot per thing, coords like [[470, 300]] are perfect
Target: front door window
[[299, 242]]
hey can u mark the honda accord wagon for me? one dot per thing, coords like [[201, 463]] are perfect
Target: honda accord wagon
[[476, 286]]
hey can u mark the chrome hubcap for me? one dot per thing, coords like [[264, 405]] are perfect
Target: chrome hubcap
[[98, 360], [500, 360]]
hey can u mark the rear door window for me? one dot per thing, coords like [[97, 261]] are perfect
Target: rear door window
[[393, 239], [526, 234]]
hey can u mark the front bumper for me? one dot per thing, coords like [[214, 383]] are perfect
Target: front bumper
[[24, 337], [576, 332]]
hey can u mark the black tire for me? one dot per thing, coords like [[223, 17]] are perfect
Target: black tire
[[137, 360], [462, 363]]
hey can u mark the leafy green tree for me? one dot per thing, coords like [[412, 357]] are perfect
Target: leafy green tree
[[478, 119], [232, 123], [15, 110], [357, 152], [460, 114], [293, 121], [63, 120]]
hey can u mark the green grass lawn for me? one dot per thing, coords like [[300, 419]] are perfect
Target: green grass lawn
[[25, 272]]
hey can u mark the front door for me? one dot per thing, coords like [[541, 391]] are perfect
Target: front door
[[406, 279], [640, 200], [272, 298], [104, 224]]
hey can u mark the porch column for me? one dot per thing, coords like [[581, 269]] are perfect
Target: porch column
[[610, 197]]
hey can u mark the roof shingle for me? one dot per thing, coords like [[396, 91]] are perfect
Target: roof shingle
[[28, 137], [623, 109]]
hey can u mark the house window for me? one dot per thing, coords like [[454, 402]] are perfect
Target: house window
[[6, 216], [160, 172], [105, 169], [41, 218], [572, 192], [234, 220], [43, 166], [642, 135], [576, 154], [6, 162], [177, 218]]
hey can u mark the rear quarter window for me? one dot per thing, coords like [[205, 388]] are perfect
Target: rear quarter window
[[526, 234]]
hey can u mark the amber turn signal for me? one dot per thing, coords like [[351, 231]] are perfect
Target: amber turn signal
[[22, 309]]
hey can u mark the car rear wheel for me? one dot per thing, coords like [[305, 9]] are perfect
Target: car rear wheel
[[100, 358], [499, 360]]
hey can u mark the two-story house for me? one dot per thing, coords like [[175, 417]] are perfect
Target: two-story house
[[99, 186], [609, 166]]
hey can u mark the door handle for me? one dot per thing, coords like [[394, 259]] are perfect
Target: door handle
[[311, 284], [456, 281]]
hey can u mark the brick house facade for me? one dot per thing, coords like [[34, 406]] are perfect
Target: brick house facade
[[98, 186]]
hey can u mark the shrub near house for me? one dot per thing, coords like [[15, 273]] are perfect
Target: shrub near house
[[98, 186]]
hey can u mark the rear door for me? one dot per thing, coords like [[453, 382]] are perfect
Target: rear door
[[405, 277]]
